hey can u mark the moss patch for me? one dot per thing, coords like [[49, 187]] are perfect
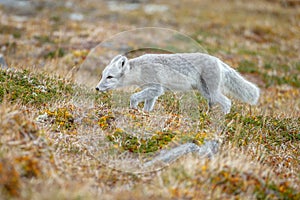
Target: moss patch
[[127, 142], [29, 88]]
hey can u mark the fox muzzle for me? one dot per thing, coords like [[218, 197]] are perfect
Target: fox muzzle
[[101, 89]]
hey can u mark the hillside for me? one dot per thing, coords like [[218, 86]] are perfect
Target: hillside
[[63, 140]]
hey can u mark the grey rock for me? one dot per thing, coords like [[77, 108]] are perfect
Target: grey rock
[[3, 64], [208, 149], [76, 16]]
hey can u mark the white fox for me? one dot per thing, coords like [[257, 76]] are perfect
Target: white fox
[[156, 73]]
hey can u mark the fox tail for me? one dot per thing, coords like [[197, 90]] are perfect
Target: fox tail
[[239, 87]]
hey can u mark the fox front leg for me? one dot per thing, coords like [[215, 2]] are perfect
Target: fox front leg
[[149, 104], [148, 95]]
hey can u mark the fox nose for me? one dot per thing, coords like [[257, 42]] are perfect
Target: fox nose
[[97, 88]]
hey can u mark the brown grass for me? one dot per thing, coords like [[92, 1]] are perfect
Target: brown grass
[[60, 155]]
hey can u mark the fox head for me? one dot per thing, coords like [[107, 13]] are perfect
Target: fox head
[[113, 73]]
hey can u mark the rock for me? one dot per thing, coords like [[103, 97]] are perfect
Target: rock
[[20, 7], [76, 16], [3, 64], [118, 6], [154, 8], [42, 118], [208, 149]]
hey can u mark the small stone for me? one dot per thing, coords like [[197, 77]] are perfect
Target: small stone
[[42, 118], [76, 16], [208, 149], [3, 64], [153, 8]]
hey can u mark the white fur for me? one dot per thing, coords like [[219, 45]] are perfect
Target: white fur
[[156, 73]]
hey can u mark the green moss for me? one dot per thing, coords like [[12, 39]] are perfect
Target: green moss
[[43, 39], [105, 121], [15, 32], [286, 129], [246, 66], [128, 142], [26, 87], [63, 120], [56, 53], [234, 182], [297, 66], [291, 80], [247, 52], [268, 66], [276, 191]]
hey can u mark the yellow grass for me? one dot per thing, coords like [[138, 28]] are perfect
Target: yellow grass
[[53, 145]]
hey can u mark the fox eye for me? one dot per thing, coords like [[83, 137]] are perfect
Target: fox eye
[[109, 77]]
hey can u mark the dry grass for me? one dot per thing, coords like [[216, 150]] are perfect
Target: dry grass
[[54, 141]]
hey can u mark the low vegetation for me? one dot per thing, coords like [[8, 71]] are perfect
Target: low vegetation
[[60, 140]]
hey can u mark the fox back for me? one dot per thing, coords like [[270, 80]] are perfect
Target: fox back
[[172, 71]]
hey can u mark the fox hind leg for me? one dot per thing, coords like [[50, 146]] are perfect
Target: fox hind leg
[[223, 101], [210, 89], [203, 89]]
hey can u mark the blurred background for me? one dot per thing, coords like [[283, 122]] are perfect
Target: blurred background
[[259, 37], [46, 131]]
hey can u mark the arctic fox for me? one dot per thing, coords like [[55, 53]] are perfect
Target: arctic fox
[[156, 73]]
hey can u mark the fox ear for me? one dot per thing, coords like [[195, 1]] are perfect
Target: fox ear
[[115, 59], [122, 63]]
